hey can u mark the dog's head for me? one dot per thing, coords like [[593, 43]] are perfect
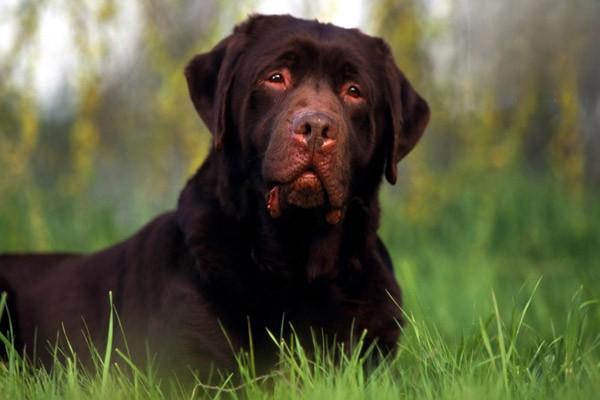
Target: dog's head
[[308, 115]]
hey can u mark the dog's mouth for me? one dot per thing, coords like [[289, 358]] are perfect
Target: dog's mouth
[[305, 191]]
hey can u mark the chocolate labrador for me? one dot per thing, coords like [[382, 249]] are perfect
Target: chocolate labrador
[[276, 231]]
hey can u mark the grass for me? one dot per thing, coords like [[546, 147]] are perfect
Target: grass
[[501, 288]]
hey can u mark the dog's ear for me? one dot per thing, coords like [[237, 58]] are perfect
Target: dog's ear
[[408, 115], [209, 78]]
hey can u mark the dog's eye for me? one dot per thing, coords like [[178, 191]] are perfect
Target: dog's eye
[[352, 94], [353, 91], [277, 77], [278, 80]]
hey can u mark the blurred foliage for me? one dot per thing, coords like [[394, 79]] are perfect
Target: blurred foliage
[[509, 91], [116, 120]]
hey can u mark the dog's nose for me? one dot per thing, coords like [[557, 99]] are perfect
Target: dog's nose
[[314, 126]]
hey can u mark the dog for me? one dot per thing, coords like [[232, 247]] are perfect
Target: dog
[[277, 230]]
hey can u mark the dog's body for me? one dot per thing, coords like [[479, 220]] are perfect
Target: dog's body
[[276, 230]]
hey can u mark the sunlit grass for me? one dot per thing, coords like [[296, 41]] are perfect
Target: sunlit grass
[[502, 357]]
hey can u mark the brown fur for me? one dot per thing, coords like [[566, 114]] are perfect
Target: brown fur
[[222, 261]]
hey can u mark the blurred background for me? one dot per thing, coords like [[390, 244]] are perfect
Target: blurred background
[[97, 135]]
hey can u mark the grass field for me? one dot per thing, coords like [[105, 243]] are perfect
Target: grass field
[[501, 285]]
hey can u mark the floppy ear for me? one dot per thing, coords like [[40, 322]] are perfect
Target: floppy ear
[[407, 119], [209, 78]]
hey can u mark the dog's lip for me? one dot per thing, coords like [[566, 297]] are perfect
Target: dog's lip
[[308, 173], [275, 201], [278, 191], [305, 190]]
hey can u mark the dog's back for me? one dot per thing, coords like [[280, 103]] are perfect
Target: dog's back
[[16, 260], [53, 298], [22, 269], [13, 267]]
